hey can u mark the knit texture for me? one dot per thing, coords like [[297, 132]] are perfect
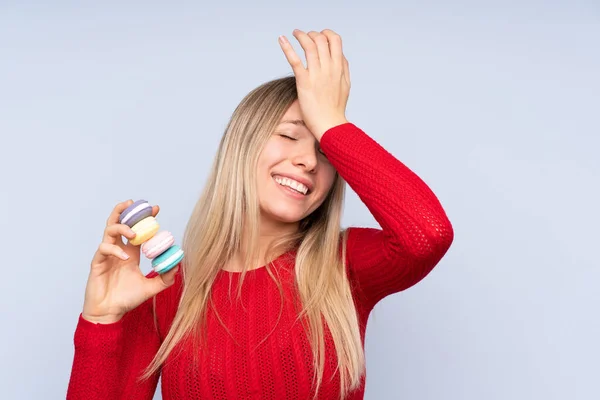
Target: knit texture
[[265, 355]]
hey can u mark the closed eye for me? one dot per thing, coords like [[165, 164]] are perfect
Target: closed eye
[[294, 139], [287, 137]]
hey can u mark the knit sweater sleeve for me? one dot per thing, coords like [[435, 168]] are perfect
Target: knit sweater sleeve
[[416, 232], [109, 357]]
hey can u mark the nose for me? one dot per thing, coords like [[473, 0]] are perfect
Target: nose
[[306, 158]]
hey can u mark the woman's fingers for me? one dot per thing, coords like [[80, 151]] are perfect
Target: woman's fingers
[[114, 229], [335, 47], [291, 56], [113, 219], [322, 48], [116, 212], [106, 250], [113, 233], [310, 50]]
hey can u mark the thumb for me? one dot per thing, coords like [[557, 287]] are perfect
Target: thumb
[[161, 282]]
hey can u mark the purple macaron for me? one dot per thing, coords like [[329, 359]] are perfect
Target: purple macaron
[[135, 213]]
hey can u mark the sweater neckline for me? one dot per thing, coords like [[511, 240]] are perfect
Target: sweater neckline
[[263, 268]]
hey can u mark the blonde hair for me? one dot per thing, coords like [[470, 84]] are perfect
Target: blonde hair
[[228, 205]]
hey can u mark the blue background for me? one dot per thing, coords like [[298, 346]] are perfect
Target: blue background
[[494, 104]]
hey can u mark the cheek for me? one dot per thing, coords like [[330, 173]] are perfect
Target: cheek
[[268, 157], [272, 154], [326, 179]]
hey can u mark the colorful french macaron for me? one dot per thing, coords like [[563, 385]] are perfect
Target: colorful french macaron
[[159, 247], [144, 230], [168, 259], [135, 213], [158, 244]]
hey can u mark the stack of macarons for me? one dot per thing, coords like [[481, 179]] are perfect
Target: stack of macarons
[[157, 246]]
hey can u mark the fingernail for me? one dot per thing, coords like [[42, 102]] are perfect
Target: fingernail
[[282, 39], [125, 256], [132, 232]]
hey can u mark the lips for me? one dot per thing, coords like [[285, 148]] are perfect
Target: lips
[[306, 182]]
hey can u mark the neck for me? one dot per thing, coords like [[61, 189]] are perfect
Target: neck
[[269, 232]]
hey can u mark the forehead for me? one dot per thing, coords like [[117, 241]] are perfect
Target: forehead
[[294, 112], [293, 118]]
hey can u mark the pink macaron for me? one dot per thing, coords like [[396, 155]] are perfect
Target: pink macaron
[[158, 244]]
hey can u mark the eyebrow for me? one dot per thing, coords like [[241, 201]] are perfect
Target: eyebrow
[[293, 121]]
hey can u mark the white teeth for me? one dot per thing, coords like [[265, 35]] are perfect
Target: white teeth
[[297, 186]]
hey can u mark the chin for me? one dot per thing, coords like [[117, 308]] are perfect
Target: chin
[[288, 218], [283, 215]]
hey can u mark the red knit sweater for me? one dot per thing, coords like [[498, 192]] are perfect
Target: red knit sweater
[[415, 235]]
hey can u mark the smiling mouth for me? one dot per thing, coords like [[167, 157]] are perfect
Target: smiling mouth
[[292, 185]]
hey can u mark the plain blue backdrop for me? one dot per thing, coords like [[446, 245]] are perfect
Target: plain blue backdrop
[[494, 104]]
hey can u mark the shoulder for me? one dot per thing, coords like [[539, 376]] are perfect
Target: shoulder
[[360, 241], [356, 247]]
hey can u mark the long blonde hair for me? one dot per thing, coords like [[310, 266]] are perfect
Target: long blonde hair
[[229, 204]]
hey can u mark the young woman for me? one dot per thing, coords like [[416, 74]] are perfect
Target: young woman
[[272, 298]]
